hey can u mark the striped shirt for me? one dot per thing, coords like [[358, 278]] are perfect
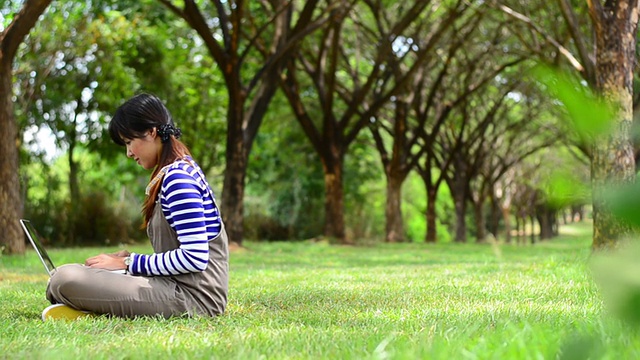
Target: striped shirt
[[189, 207]]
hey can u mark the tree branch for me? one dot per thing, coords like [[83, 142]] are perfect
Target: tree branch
[[570, 17], [23, 22], [564, 51]]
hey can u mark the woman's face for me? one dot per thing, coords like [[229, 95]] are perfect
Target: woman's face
[[144, 150]]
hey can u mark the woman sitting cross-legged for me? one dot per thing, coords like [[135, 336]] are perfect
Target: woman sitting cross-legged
[[188, 272]]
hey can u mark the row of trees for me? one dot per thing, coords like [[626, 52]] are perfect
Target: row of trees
[[601, 49], [440, 88]]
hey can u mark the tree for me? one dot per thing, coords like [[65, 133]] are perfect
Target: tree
[[613, 158], [417, 112], [472, 71], [351, 91], [10, 201], [467, 143], [249, 42], [610, 72], [524, 128]]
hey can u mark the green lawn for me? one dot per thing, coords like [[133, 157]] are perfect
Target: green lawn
[[312, 300]]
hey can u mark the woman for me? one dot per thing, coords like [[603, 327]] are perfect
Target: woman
[[188, 272]]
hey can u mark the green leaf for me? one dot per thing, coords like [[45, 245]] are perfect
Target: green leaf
[[589, 114]]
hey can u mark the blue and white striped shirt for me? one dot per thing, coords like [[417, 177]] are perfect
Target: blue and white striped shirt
[[188, 205]]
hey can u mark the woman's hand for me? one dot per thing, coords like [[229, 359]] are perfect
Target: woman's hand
[[107, 262]]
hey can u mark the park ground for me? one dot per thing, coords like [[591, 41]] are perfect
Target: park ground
[[311, 300]]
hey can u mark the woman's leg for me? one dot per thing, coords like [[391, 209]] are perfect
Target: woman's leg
[[103, 292]]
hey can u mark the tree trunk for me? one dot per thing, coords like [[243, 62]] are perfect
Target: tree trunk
[[432, 231], [243, 122], [544, 221], [74, 188], [334, 203], [396, 173], [11, 236], [459, 194], [507, 224], [613, 161], [532, 220], [234, 177], [541, 219], [478, 212], [431, 188], [461, 225], [494, 224], [233, 198], [74, 194], [458, 185], [393, 211]]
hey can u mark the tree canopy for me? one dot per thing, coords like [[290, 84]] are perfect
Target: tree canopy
[[347, 120]]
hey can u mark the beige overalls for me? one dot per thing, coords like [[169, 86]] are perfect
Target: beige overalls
[[103, 292]]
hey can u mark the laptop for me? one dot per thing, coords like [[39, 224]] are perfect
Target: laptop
[[34, 239]]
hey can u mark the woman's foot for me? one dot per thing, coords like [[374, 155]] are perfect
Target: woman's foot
[[63, 312]]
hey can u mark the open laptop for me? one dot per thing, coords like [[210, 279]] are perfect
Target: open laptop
[[34, 239]]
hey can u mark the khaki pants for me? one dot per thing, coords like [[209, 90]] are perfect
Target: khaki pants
[[103, 292]]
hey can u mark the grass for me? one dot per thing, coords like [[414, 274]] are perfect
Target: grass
[[312, 300]]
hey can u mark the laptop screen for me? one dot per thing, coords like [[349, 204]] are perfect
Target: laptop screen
[[34, 238]]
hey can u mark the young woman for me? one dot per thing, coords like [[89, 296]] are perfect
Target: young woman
[[188, 272]]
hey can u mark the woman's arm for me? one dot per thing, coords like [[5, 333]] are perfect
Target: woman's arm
[[181, 198]]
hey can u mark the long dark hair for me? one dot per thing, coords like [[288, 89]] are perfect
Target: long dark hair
[[134, 119]]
